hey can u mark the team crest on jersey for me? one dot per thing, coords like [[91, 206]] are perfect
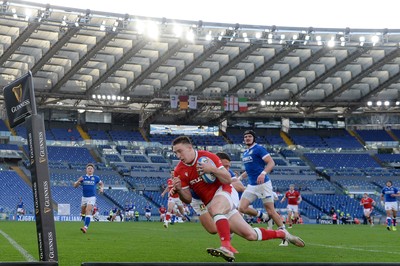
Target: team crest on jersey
[[186, 174], [247, 159]]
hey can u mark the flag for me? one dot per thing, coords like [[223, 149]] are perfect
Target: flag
[[231, 103], [183, 102], [192, 102], [243, 105], [222, 101], [174, 101], [235, 103]]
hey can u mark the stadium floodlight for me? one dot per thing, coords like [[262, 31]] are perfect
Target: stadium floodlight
[[140, 26], [362, 40], [152, 30], [262, 102], [369, 103], [103, 26], [190, 35], [209, 36], [177, 29], [331, 43], [379, 103], [397, 103], [375, 39], [386, 103]]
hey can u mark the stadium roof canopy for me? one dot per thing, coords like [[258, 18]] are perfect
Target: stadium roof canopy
[[119, 63]]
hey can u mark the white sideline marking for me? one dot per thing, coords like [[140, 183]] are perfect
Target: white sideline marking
[[21, 250], [358, 249]]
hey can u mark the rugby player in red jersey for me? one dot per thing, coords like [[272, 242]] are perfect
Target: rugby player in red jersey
[[217, 197]]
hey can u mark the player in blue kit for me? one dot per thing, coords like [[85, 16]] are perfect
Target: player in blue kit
[[258, 163], [89, 184], [20, 209], [388, 198]]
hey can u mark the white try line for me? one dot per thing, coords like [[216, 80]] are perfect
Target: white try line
[[27, 256], [358, 249]]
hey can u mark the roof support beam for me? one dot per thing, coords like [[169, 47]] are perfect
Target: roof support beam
[[262, 68], [234, 61], [19, 41], [363, 74], [145, 74], [128, 55], [395, 78], [331, 71], [293, 72], [99, 46], [213, 47], [54, 49]]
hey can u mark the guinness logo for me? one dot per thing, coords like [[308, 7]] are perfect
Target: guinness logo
[[17, 92]]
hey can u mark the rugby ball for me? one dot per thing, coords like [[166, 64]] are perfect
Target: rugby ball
[[208, 178]]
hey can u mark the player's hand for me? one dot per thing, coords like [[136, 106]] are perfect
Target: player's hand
[[80, 179], [260, 179], [205, 167], [101, 190], [177, 186]]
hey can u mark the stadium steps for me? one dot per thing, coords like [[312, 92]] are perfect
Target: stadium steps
[[286, 138], [358, 137], [225, 136], [143, 132], [22, 174], [28, 181], [82, 132], [95, 154], [151, 200], [392, 135], [314, 205]]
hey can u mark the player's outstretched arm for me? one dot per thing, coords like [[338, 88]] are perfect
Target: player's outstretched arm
[[77, 183]]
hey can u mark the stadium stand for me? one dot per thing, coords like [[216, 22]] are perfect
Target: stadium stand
[[328, 166]]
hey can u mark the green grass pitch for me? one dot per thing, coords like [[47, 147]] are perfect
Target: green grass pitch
[[187, 242]]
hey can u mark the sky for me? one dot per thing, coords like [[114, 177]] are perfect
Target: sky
[[361, 14]]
